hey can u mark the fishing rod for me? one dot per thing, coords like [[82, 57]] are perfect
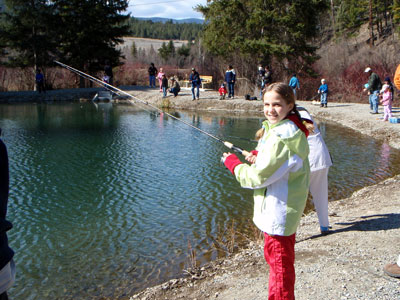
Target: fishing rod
[[102, 83]]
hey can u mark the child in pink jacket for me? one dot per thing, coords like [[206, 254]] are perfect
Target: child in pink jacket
[[386, 101]]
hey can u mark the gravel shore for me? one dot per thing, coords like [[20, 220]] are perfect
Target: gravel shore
[[347, 264]]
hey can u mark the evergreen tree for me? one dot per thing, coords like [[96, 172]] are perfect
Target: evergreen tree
[[134, 50], [171, 48], [183, 53], [89, 30], [164, 52], [25, 35], [167, 31], [352, 14], [396, 14], [263, 29]]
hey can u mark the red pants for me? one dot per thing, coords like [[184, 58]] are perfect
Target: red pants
[[279, 254]]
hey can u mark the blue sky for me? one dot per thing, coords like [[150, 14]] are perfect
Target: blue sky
[[174, 9]]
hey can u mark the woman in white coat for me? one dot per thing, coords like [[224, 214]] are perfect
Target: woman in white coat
[[320, 161]]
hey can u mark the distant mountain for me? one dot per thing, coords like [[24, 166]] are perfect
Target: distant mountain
[[175, 21]]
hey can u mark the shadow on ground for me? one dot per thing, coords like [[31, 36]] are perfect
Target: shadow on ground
[[365, 223]]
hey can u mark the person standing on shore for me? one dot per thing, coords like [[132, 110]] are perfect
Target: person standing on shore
[[7, 266], [267, 76], [294, 83], [320, 161], [261, 79], [374, 86], [195, 80], [152, 75], [230, 79], [39, 80], [109, 72], [279, 176], [164, 85], [393, 270], [386, 101], [323, 91], [160, 77]]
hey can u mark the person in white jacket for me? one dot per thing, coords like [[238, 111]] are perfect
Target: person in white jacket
[[320, 161]]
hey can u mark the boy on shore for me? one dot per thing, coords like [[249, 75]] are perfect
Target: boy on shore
[[222, 91], [323, 91]]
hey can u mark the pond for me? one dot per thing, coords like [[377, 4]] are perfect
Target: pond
[[107, 200]]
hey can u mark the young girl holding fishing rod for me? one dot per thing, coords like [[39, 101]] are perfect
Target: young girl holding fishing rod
[[279, 175]]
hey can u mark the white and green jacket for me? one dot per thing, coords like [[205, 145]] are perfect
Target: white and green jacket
[[279, 177]]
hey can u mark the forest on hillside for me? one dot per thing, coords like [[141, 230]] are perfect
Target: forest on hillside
[[164, 30], [335, 39]]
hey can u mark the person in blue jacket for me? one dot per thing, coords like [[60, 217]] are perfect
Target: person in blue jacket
[[294, 83], [195, 80], [7, 266], [39, 80], [230, 78], [323, 91]]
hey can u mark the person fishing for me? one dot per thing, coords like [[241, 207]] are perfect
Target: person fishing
[[279, 175]]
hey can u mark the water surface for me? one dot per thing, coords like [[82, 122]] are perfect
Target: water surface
[[106, 201]]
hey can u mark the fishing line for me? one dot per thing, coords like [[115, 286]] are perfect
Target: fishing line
[[105, 84]]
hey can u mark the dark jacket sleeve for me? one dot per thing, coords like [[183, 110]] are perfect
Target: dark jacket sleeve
[[6, 253]]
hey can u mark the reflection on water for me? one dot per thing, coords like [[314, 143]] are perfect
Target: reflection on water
[[105, 200]]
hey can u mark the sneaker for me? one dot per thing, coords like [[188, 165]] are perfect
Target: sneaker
[[325, 230], [392, 270], [193, 99]]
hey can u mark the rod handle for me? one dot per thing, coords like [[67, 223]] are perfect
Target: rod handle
[[236, 149]]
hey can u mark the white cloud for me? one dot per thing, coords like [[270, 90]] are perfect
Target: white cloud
[[174, 9]]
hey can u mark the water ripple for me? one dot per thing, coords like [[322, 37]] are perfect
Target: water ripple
[[105, 202]]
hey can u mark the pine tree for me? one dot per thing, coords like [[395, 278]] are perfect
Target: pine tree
[[171, 48], [163, 51], [396, 14], [89, 31], [26, 37], [263, 29], [134, 50]]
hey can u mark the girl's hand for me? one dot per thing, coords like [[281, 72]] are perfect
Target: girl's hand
[[226, 154], [251, 158]]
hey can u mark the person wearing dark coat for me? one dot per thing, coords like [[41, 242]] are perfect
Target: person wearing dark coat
[[230, 78], [195, 80], [152, 75], [7, 267]]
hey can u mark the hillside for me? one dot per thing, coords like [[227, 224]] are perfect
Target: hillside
[[343, 61], [175, 21], [146, 43]]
